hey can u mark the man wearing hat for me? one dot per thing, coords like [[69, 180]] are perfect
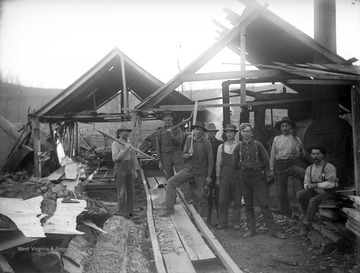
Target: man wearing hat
[[251, 159], [319, 184], [227, 179], [286, 151], [124, 159], [168, 145], [198, 167], [214, 190]]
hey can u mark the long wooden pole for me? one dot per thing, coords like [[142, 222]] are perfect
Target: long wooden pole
[[193, 123], [124, 143]]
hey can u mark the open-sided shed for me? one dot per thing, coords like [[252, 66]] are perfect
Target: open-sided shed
[[282, 53], [106, 80]]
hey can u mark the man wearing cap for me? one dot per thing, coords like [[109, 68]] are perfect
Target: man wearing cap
[[168, 142], [124, 159], [251, 159], [227, 179], [319, 184], [214, 189], [286, 151], [199, 167]]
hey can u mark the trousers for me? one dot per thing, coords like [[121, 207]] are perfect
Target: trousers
[[309, 202], [284, 169], [184, 176], [125, 186], [253, 184]]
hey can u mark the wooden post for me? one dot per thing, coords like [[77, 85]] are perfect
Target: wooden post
[[355, 116], [123, 77], [226, 100], [37, 147], [76, 138], [244, 114], [259, 122]]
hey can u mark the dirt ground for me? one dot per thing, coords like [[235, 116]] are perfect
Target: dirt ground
[[261, 253], [264, 254]]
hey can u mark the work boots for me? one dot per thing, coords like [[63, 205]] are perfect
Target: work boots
[[305, 231]]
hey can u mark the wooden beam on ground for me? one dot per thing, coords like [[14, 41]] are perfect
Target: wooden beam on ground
[[195, 246], [263, 73], [230, 265], [159, 262], [171, 247]]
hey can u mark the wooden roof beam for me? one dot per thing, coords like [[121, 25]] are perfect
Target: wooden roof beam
[[169, 87], [263, 73]]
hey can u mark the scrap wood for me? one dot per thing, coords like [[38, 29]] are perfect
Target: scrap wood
[[93, 225], [287, 262], [64, 219], [4, 266], [10, 239], [71, 170], [24, 214], [57, 174]]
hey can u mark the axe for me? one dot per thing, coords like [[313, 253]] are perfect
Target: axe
[[124, 143], [193, 123]]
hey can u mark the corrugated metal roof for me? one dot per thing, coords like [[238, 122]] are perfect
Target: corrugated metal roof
[[101, 83]]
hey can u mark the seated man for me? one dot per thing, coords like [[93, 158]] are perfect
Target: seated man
[[320, 182]]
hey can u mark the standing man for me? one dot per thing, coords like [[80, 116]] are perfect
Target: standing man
[[250, 158], [227, 179], [199, 167], [286, 151], [214, 189], [124, 158], [168, 142], [320, 182]]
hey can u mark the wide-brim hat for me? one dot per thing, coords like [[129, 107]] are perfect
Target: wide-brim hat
[[124, 127], [211, 128], [199, 124], [316, 146], [230, 127], [167, 112], [284, 120]]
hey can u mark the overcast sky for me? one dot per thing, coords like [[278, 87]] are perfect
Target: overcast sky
[[51, 43]]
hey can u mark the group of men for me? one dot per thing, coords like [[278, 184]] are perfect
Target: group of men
[[224, 173]]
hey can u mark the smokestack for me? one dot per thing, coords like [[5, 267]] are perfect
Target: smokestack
[[325, 33], [325, 23]]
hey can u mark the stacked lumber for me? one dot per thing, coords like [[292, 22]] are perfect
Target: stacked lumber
[[353, 215]]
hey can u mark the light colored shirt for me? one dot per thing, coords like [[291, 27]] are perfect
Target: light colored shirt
[[329, 180], [285, 147], [228, 148], [118, 152]]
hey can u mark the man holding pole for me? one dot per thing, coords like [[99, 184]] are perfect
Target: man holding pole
[[124, 159], [199, 167], [168, 142]]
